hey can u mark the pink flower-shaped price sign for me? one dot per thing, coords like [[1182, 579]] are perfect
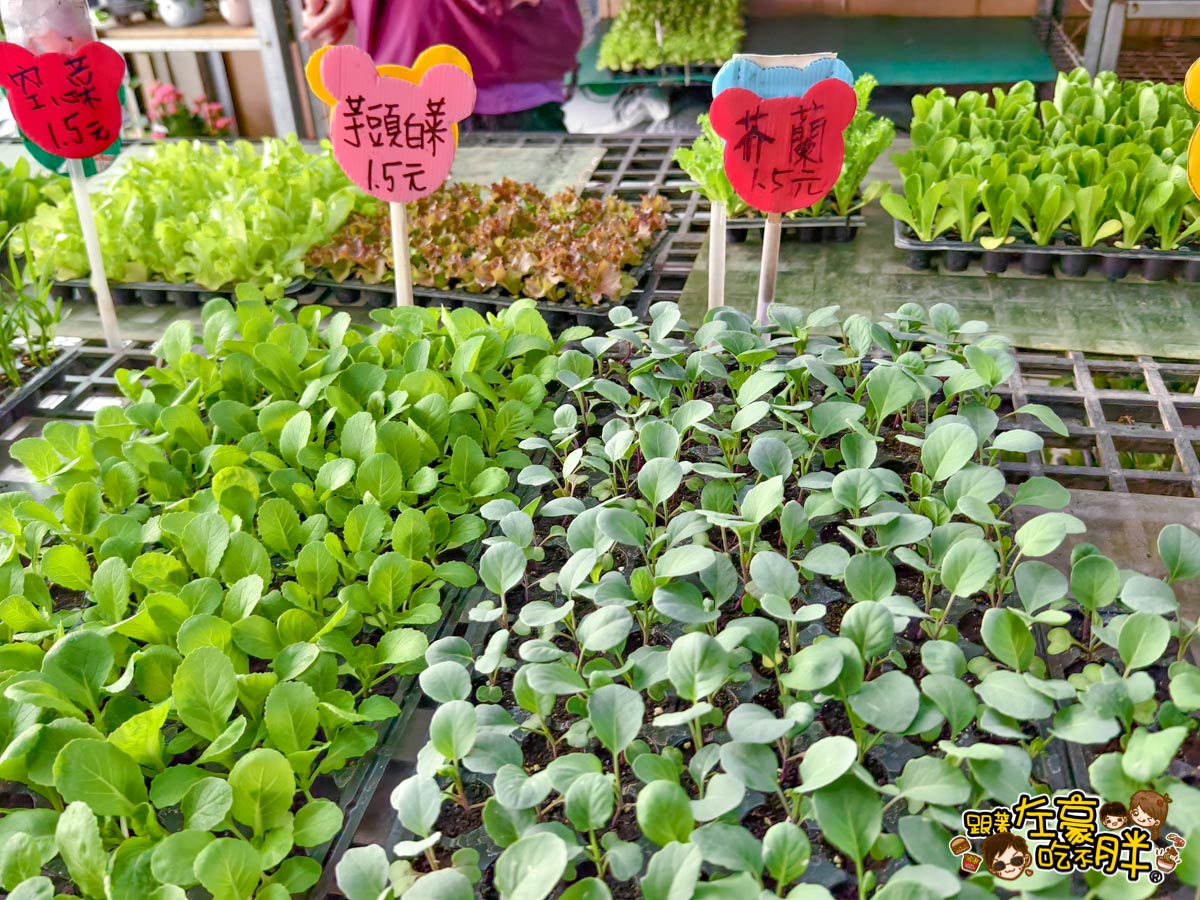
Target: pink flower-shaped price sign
[[68, 105], [394, 129]]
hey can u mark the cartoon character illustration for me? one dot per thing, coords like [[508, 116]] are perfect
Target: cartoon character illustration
[[1148, 809], [1006, 855], [1114, 816]]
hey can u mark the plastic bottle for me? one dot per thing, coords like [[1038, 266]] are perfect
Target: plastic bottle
[[47, 26]]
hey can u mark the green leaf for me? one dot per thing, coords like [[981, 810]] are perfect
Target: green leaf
[[228, 869], [826, 761], [850, 816], [1149, 595], [444, 884], [531, 868], [947, 450], [786, 852], [362, 872], [317, 822], [616, 713], [1044, 534], [174, 857], [755, 765], [968, 567], [98, 774], [77, 835], [205, 540], [291, 716], [502, 567], [141, 736], [888, 703], [664, 813], [590, 802], [263, 787], [1008, 638], [1009, 694], [1095, 582], [205, 691], [929, 779], [67, 567], [762, 500], [953, 699], [659, 479], [206, 804], [869, 577], [1143, 640], [79, 666], [453, 729], [679, 562], [1042, 492], [1149, 753], [697, 665], [1179, 548], [673, 873]]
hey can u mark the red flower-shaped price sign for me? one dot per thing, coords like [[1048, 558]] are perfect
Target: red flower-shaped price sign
[[784, 154], [67, 105]]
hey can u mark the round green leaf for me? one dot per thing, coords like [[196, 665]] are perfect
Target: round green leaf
[[947, 450], [590, 801], [889, 702], [532, 867], [1008, 638], [664, 813], [1179, 548], [1143, 640], [968, 566], [826, 761], [263, 788], [453, 728], [869, 625], [317, 822]]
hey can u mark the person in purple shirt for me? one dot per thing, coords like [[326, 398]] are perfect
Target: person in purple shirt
[[520, 50]]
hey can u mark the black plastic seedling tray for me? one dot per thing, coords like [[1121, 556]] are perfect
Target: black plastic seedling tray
[[17, 403], [806, 230], [152, 293], [1060, 259], [558, 315]]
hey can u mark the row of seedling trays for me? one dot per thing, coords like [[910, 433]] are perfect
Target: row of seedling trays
[[1062, 259]]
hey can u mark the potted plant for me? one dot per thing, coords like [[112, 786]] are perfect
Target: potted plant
[[180, 13], [236, 12]]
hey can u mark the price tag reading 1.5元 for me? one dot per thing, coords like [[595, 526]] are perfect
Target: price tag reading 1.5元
[[394, 130], [67, 105]]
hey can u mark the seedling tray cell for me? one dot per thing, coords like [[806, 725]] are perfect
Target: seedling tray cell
[[1059, 260], [808, 230]]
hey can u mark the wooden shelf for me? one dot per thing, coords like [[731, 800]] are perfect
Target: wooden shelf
[[214, 34]]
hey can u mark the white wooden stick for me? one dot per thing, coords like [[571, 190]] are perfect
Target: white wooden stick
[[91, 239], [716, 256], [770, 265], [401, 256]]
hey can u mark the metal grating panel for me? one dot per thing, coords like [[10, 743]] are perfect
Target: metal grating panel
[[1134, 424]]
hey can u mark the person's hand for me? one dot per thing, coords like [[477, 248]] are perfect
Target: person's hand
[[326, 21]]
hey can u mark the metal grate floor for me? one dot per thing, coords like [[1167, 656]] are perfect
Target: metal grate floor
[[1134, 423]]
